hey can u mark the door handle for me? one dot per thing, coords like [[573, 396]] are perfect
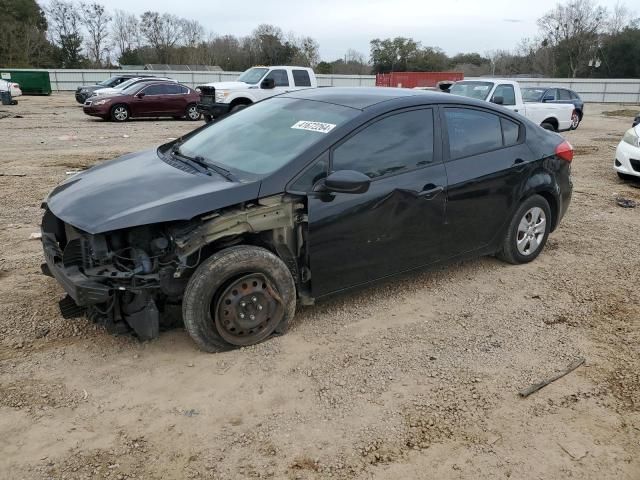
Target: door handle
[[431, 192]]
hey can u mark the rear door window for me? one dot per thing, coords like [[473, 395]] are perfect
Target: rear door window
[[301, 78], [552, 94], [173, 89], [280, 77], [564, 95], [155, 90], [472, 132], [396, 143], [510, 132]]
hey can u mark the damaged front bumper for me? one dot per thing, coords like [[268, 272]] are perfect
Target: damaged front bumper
[[106, 295]]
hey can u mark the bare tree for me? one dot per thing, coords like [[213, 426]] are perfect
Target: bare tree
[[96, 20], [620, 18], [64, 30], [575, 27], [192, 32], [162, 32], [125, 32]]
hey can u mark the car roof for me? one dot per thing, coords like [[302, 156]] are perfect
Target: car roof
[[360, 97]]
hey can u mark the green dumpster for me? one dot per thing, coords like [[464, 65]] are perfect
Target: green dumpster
[[32, 82]]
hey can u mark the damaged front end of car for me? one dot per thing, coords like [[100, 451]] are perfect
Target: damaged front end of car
[[134, 279]]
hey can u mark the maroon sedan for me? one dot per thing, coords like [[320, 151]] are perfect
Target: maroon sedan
[[158, 99]]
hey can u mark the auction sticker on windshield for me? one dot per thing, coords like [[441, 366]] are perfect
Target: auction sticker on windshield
[[314, 126]]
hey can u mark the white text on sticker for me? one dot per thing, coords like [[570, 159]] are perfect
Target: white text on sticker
[[314, 126]]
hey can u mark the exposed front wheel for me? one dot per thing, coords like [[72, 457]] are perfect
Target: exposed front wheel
[[192, 113], [119, 113], [528, 231], [238, 297]]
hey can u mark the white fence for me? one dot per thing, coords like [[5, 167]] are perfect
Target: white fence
[[591, 90], [65, 80]]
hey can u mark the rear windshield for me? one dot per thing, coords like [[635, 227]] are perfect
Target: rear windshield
[[532, 94], [266, 136], [477, 90]]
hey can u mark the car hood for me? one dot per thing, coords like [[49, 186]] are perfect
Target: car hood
[[229, 85], [139, 189]]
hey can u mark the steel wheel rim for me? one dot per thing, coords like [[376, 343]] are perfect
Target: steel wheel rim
[[531, 231], [193, 113], [120, 113], [575, 120], [248, 310]]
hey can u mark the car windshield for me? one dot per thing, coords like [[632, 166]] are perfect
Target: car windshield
[[109, 82], [266, 136], [477, 90], [532, 94], [253, 75]]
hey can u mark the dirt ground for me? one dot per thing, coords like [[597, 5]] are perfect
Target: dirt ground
[[417, 378]]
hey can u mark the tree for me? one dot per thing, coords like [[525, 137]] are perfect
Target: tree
[[162, 32], [96, 20], [125, 35], [621, 54], [64, 29], [23, 28], [573, 28], [392, 54]]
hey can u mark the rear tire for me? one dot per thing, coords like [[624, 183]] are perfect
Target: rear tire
[[527, 232], [237, 297], [120, 113], [548, 126], [575, 120], [235, 108]]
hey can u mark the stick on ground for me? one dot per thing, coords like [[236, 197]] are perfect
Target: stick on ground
[[534, 388]]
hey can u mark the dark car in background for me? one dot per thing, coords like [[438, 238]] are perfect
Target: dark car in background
[[636, 121], [146, 99], [556, 95], [297, 197], [84, 92]]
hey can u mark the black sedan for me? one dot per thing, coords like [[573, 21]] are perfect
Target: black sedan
[[295, 198], [557, 95]]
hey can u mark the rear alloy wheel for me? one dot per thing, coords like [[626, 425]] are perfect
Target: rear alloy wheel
[[237, 297], [575, 120], [192, 113], [528, 231], [120, 113]]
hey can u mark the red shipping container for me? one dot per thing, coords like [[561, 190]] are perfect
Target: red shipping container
[[415, 79]]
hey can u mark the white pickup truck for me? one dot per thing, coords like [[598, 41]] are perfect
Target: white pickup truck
[[552, 116], [257, 83]]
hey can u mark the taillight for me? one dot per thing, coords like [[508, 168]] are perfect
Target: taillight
[[565, 151]]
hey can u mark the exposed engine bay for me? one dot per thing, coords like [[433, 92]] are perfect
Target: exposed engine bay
[[134, 279]]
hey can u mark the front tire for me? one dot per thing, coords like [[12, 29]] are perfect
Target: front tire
[[237, 297], [192, 113], [528, 232], [120, 113]]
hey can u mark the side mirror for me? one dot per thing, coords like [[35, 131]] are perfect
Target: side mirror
[[347, 181], [140, 95], [498, 100], [268, 83]]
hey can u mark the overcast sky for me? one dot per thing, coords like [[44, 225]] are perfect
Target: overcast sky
[[453, 25]]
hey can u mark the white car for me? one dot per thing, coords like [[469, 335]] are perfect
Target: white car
[[627, 161], [13, 87], [551, 116], [124, 85]]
